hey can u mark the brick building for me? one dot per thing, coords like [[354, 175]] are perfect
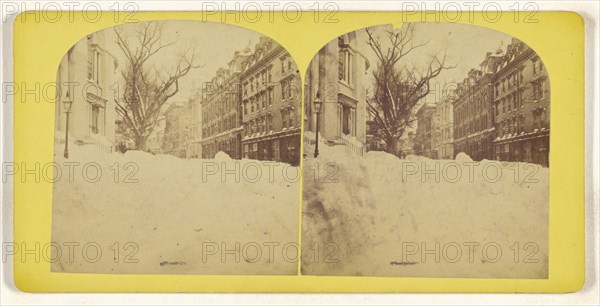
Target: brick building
[[522, 106], [426, 138], [194, 141], [445, 114], [473, 113], [176, 129], [221, 110], [271, 111]]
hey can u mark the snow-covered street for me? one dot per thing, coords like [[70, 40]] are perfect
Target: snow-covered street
[[378, 215], [161, 214]]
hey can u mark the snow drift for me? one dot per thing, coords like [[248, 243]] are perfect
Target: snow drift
[[384, 216], [161, 214]]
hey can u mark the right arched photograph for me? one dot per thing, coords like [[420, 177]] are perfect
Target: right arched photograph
[[426, 154]]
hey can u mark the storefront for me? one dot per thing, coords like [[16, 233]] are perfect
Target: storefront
[[281, 147], [530, 148]]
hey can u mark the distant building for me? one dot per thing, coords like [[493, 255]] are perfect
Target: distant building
[[425, 142], [194, 145], [85, 76], [270, 102], [221, 111], [372, 141], [473, 112], [522, 106], [154, 143], [338, 73], [406, 144], [175, 136], [446, 127]]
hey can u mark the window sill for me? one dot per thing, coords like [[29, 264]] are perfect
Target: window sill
[[345, 83]]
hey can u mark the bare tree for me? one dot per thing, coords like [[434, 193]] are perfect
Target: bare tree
[[398, 87], [147, 89]]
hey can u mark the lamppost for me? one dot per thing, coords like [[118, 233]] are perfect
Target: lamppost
[[67, 103], [317, 103]]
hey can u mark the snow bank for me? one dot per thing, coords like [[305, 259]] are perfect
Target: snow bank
[[172, 215], [384, 216]]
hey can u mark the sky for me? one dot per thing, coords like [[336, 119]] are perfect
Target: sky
[[215, 45]]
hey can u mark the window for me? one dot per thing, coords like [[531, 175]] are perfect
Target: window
[[276, 149], [348, 120], [539, 118], [538, 90], [95, 118], [98, 58], [521, 123], [286, 89], [90, 59], [341, 64], [284, 119], [269, 125], [344, 65]]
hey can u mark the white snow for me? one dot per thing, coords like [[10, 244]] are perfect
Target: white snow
[[180, 216], [382, 216]]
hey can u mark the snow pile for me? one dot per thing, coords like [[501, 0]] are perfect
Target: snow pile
[[162, 214], [384, 216]]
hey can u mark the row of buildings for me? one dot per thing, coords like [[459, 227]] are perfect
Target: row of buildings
[[249, 109], [499, 111]]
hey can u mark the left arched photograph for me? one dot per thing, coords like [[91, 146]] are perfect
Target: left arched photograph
[[182, 140]]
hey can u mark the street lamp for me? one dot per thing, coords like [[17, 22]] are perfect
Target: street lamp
[[67, 103], [317, 103]]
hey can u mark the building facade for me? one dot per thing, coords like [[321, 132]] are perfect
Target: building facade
[[522, 106], [426, 138], [406, 144], [154, 143], [372, 141], [473, 113], [194, 142], [221, 110], [502, 111], [271, 112], [175, 136], [87, 76], [445, 113], [339, 74]]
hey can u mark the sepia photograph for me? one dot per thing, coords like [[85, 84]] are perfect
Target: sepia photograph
[[426, 154], [180, 148]]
